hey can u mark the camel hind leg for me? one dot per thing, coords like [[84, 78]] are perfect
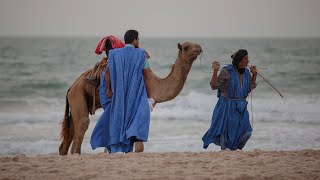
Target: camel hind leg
[[79, 132], [67, 129], [64, 147], [80, 115]]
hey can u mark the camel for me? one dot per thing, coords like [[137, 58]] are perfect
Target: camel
[[83, 98]]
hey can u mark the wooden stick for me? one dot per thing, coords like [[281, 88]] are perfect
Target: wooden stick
[[270, 84]]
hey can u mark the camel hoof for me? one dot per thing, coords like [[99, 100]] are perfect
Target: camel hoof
[[62, 151]]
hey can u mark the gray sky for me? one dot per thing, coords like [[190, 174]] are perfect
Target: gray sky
[[161, 18]]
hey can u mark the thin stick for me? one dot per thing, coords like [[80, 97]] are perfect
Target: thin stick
[[270, 84]]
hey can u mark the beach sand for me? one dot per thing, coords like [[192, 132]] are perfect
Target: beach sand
[[304, 164]]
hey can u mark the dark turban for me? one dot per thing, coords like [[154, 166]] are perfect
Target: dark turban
[[238, 56]]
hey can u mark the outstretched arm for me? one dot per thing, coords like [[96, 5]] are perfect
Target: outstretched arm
[[254, 72], [214, 78], [147, 73]]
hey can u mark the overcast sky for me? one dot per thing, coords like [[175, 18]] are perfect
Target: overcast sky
[[161, 18]]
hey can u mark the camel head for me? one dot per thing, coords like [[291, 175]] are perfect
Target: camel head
[[189, 51]]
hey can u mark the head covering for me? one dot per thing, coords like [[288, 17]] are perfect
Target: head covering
[[115, 42], [238, 56]]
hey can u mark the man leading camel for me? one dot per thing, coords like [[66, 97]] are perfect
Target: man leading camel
[[129, 116], [78, 99]]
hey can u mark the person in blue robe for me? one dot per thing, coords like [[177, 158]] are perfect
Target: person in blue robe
[[126, 116], [230, 125]]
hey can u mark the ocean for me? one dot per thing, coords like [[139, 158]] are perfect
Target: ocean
[[37, 72]]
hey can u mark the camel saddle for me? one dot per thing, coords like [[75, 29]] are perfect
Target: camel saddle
[[93, 77]]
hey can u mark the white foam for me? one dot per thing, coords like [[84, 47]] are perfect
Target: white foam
[[200, 106], [177, 125]]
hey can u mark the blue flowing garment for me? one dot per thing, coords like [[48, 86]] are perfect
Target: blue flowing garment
[[104, 100], [230, 116], [126, 118]]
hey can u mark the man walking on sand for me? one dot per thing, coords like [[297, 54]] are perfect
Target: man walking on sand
[[129, 116]]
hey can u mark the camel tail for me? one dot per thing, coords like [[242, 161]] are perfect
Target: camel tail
[[65, 123]]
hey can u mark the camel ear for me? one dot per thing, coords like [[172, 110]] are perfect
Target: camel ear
[[179, 47]]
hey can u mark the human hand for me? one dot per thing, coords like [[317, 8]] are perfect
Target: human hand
[[109, 93], [253, 70], [147, 54], [215, 65]]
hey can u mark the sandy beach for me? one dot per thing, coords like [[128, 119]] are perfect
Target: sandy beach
[[255, 164]]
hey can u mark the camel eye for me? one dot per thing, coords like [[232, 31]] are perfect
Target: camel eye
[[186, 48]]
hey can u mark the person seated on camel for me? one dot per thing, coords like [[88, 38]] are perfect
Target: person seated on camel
[[106, 44]]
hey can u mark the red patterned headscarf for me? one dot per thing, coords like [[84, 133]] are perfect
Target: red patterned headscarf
[[116, 43]]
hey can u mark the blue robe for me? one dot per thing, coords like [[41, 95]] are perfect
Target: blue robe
[[104, 100], [126, 118], [230, 117]]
